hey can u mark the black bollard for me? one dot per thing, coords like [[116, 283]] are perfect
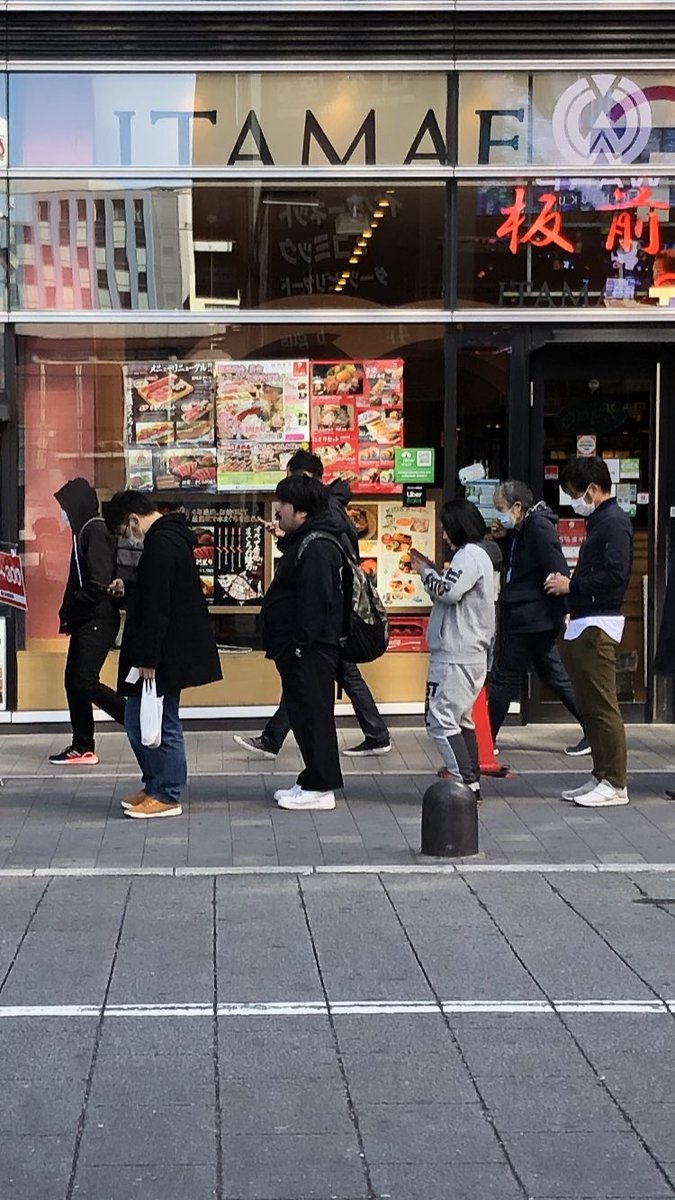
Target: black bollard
[[449, 820]]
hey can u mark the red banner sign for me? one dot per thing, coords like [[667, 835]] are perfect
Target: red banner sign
[[12, 586]]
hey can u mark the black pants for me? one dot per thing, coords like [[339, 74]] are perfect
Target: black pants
[[309, 691], [520, 651], [88, 650], [365, 710]]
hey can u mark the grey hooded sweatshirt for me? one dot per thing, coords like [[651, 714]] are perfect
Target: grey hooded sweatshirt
[[462, 623]]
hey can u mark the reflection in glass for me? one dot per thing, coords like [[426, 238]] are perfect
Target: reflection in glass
[[212, 246], [567, 243]]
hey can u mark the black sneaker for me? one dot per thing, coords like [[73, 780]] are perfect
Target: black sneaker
[[582, 747], [75, 758], [368, 747], [256, 745]]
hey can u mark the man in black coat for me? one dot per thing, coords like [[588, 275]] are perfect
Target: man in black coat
[[375, 733], [596, 594], [531, 620], [302, 623], [91, 618], [167, 638]]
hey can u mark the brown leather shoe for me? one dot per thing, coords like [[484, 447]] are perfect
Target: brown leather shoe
[[132, 801], [151, 807]]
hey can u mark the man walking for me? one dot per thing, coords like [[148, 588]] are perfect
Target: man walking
[[91, 618], [376, 738], [531, 620], [596, 593], [168, 638], [302, 622]]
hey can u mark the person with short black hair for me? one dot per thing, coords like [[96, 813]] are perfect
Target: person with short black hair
[[302, 623], [167, 637], [596, 592], [531, 621], [460, 631], [376, 738]]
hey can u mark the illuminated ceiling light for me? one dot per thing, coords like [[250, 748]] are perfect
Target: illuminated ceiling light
[[338, 287], [357, 252], [374, 224], [362, 242], [390, 191], [378, 213], [353, 260], [367, 233], [383, 203]]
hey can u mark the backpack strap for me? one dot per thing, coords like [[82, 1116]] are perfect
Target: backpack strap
[[317, 535]]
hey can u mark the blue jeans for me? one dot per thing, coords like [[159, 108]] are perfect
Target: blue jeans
[[164, 770]]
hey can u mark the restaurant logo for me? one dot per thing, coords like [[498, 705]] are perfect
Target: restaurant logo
[[603, 118]]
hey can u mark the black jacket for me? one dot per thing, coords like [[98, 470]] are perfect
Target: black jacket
[[92, 560], [534, 553], [601, 576], [168, 625], [339, 496], [304, 604], [664, 661]]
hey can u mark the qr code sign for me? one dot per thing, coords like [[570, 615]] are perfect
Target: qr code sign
[[424, 458]]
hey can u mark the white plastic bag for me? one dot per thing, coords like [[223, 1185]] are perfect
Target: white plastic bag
[[152, 710]]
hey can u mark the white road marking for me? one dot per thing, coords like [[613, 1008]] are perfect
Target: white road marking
[[345, 1008], [441, 867]]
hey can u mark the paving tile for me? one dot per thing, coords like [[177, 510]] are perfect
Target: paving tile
[[572, 1165], [144, 1182], [434, 1181]]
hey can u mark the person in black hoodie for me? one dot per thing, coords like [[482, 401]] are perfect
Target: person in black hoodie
[[531, 620], [90, 616], [167, 637], [302, 623], [375, 733], [596, 592]]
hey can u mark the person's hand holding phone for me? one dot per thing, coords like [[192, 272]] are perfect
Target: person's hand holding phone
[[419, 562]]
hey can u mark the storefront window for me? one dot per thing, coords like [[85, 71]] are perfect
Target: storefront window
[[204, 246], [553, 118], [584, 243], [210, 119], [205, 419]]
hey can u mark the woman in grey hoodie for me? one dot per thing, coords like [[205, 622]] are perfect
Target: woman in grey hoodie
[[461, 630]]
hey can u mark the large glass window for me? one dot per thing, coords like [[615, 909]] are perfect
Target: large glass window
[[202, 246], [211, 119], [607, 243]]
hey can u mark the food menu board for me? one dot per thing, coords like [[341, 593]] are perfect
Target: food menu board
[[357, 421], [387, 533], [169, 404], [230, 552], [262, 417]]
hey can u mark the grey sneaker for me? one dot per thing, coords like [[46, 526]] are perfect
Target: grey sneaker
[[255, 745]]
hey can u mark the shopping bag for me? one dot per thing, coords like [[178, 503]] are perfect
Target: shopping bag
[[152, 707]]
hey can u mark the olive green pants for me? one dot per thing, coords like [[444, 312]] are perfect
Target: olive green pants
[[591, 664]]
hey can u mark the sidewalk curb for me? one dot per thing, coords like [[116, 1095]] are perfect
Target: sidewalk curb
[[618, 868]]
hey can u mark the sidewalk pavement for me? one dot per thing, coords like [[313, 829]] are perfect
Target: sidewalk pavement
[[70, 817]]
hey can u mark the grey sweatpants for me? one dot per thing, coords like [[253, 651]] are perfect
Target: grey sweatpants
[[452, 691]]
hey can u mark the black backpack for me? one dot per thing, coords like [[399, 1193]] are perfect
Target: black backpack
[[365, 627]]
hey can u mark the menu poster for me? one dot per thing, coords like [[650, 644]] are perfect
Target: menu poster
[[179, 469], [253, 466], [140, 475], [399, 531], [357, 421], [230, 553], [366, 518], [169, 404], [262, 401]]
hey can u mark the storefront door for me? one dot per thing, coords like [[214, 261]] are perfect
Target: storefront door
[[600, 400]]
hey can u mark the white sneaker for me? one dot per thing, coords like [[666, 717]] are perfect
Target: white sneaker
[[282, 793], [572, 793], [604, 795], [300, 801]]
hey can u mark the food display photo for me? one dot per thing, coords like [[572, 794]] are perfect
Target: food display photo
[[230, 552], [262, 401], [357, 421], [182, 469], [253, 466], [399, 531], [168, 403]]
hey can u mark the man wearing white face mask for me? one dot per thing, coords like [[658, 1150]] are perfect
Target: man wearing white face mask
[[596, 593], [531, 620]]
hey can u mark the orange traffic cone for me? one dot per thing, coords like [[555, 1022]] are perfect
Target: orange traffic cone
[[486, 748]]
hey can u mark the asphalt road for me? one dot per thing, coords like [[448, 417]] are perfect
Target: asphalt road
[[413, 1037]]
